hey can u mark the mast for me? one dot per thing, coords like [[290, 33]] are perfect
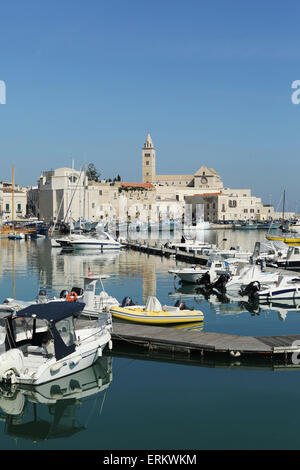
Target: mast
[[72, 179], [283, 205], [84, 189], [13, 193]]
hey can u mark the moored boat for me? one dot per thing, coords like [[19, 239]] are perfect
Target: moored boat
[[154, 313], [42, 343]]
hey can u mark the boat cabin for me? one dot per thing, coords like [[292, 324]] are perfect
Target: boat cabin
[[46, 328]]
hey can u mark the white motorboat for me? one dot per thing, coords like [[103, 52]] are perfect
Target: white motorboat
[[251, 273], [212, 270], [42, 343], [95, 304], [103, 241], [287, 287], [292, 259], [191, 244]]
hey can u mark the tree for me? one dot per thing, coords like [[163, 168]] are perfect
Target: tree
[[92, 173]]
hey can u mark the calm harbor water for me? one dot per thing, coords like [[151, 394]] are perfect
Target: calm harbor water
[[137, 402]]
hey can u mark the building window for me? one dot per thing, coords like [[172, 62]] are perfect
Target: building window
[[93, 205], [6, 207], [147, 162], [147, 154], [100, 192], [19, 209]]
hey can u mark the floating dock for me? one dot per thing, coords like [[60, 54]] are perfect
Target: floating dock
[[161, 250], [172, 342]]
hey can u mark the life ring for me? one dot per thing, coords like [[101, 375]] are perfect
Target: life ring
[[72, 297]]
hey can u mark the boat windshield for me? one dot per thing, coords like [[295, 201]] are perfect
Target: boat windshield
[[66, 330], [24, 330]]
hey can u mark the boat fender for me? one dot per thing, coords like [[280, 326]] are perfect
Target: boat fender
[[110, 344], [99, 352], [235, 353], [72, 297], [74, 361], [57, 366]]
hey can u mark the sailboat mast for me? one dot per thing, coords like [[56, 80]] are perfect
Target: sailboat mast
[[283, 205], [13, 193]]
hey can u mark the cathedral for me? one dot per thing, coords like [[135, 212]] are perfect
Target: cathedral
[[204, 178]]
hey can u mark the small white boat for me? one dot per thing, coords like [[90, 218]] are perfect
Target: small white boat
[[43, 345], [287, 287], [249, 274], [201, 225], [292, 259], [95, 304], [208, 273]]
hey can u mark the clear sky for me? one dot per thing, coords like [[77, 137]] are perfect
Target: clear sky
[[211, 80]]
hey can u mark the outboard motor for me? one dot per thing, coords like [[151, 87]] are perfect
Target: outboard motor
[[221, 282], [181, 305], [64, 294], [204, 280], [127, 302], [42, 296], [250, 290]]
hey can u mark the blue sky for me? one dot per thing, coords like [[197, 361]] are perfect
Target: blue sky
[[210, 80]]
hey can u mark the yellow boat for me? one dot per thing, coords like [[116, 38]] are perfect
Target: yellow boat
[[153, 313], [289, 241]]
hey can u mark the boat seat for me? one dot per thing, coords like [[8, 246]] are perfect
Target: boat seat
[[168, 308]]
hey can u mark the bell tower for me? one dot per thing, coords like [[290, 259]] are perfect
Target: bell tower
[[148, 161]]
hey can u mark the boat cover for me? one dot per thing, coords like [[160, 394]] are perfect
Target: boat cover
[[153, 304], [52, 311]]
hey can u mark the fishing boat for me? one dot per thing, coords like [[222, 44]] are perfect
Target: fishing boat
[[248, 225], [42, 344], [156, 314]]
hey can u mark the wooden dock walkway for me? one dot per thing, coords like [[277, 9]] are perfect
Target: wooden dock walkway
[[161, 250], [173, 341]]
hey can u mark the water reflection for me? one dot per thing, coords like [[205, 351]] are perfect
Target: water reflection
[[50, 411], [30, 265]]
